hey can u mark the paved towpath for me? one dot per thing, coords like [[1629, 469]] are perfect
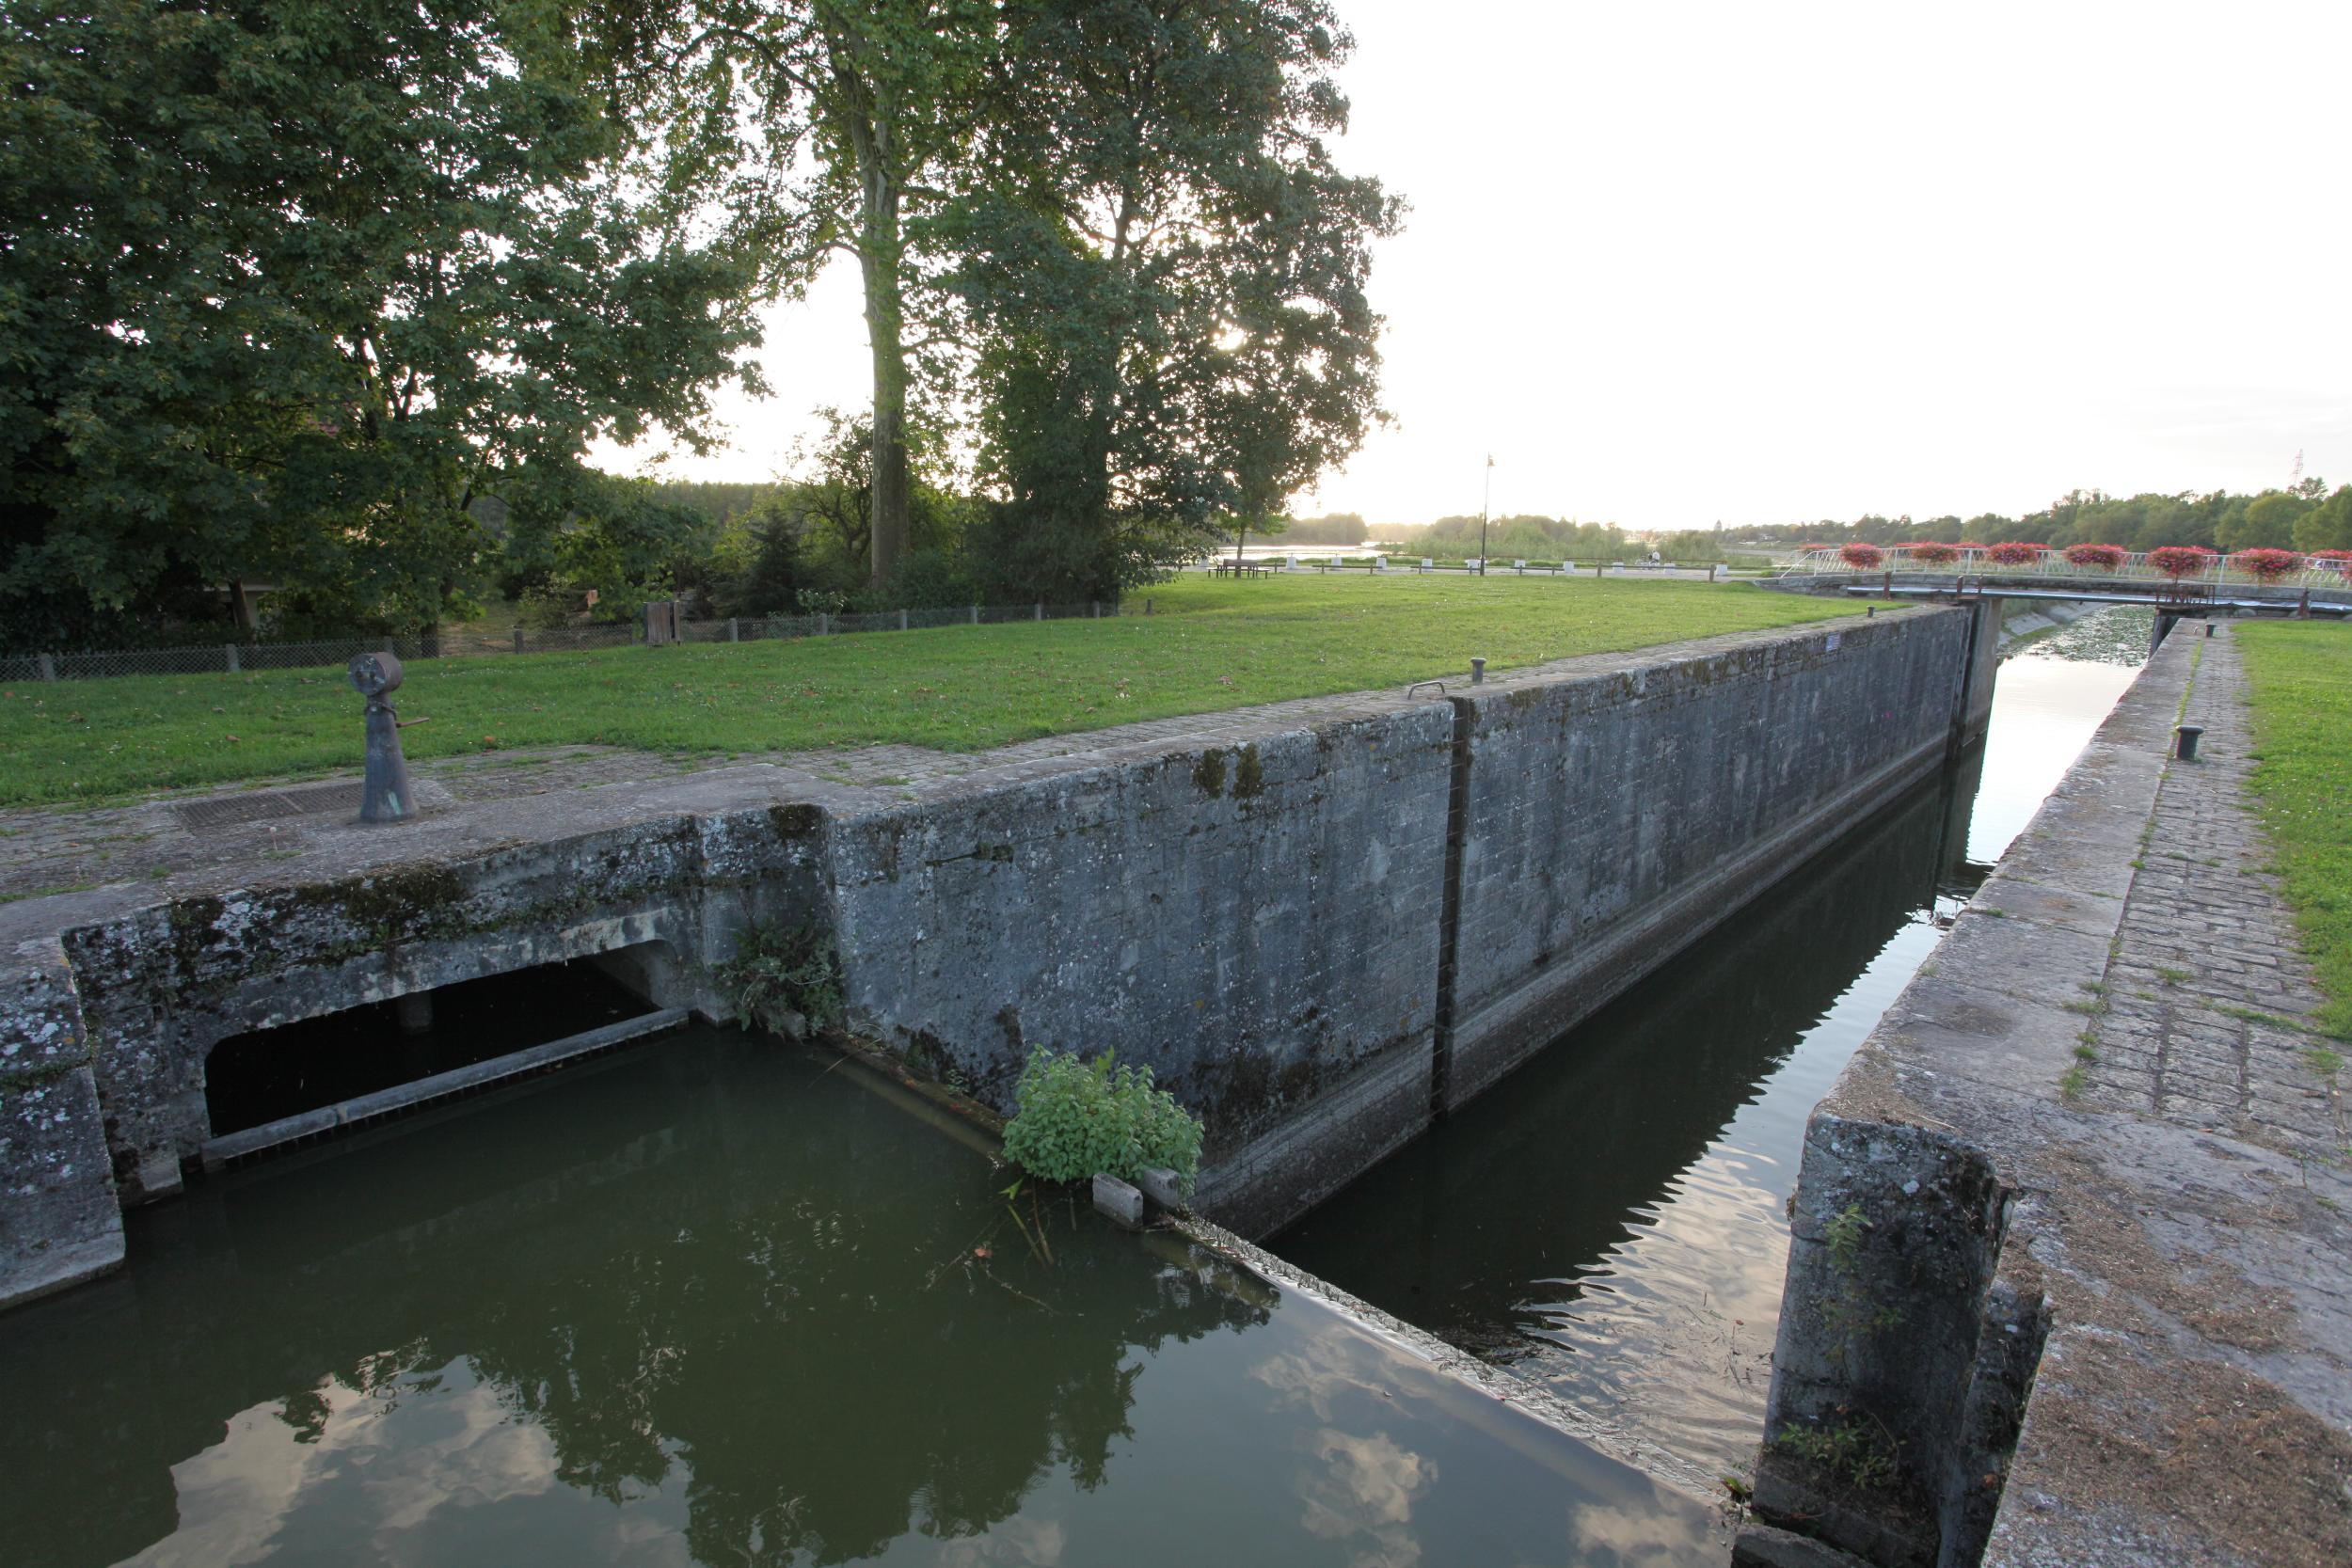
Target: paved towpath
[[2211, 1004]]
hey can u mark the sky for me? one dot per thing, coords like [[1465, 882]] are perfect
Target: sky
[[1675, 264]]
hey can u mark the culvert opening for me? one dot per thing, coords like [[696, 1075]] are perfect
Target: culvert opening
[[297, 1082]]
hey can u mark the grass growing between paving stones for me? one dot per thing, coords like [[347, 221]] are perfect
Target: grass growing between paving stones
[[1207, 645], [2300, 676]]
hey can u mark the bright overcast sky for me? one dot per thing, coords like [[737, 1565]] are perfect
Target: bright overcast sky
[[1769, 263]]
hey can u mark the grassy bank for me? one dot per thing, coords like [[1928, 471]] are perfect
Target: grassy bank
[[1207, 645], [2301, 679]]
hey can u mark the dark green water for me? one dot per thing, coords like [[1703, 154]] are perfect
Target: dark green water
[[1611, 1223], [710, 1302]]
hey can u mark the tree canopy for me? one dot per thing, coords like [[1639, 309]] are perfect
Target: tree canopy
[[287, 288]]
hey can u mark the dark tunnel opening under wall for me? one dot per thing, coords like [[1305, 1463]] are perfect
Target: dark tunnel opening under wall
[[269, 1074]]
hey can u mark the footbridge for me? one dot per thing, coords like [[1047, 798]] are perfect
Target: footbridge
[[2220, 586]]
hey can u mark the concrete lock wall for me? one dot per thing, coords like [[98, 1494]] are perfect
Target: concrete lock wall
[[1320, 938], [1610, 819], [1256, 919], [160, 989], [1320, 924]]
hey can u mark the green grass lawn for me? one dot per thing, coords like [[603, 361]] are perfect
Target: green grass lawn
[[1207, 645], [2301, 675]]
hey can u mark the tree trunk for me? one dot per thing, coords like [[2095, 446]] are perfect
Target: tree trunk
[[887, 543], [881, 249]]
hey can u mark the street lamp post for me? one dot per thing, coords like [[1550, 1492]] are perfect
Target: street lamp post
[[1485, 496]]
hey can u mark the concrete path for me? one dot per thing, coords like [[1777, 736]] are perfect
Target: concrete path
[[2097, 1117], [2210, 1003]]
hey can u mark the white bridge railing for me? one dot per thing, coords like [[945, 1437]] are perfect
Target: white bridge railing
[[2218, 571]]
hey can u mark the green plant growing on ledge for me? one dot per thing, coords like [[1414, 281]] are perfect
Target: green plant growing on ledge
[[778, 971], [1849, 1311], [1852, 1452], [1075, 1118]]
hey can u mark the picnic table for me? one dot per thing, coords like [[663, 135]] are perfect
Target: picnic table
[[1240, 569]]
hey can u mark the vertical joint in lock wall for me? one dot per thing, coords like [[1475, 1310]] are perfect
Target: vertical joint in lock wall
[[1449, 907], [1956, 741]]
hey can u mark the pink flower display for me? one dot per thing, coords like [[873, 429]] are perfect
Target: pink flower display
[[1862, 558], [2180, 561], [2097, 558], [1929, 552], [2269, 565], [2014, 553]]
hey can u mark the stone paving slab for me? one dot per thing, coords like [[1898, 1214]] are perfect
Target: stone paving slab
[[2210, 1003]]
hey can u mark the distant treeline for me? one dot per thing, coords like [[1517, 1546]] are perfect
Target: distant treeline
[[1536, 538], [2304, 517]]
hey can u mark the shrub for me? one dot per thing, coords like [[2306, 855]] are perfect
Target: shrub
[[2098, 558], [2014, 553], [2180, 561], [1933, 552], [778, 970], [1074, 1119], [2269, 565], [1862, 558]]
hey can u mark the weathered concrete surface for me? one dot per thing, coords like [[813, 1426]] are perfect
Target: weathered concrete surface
[[1261, 905], [1255, 919], [1612, 817], [2117, 1247]]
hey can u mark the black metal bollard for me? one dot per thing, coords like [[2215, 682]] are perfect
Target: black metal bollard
[[386, 795], [1478, 671], [2185, 741]]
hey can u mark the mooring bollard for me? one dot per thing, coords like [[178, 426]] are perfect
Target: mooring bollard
[[2185, 741], [2209, 629], [1478, 671], [385, 797]]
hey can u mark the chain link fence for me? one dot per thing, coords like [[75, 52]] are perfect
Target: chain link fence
[[238, 658]]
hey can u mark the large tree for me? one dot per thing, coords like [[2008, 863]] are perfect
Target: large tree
[[1164, 272], [824, 127], [287, 285]]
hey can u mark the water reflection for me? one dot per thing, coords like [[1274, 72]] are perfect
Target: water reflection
[[1613, 1223], [715, 1304], [1639, 1234]]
